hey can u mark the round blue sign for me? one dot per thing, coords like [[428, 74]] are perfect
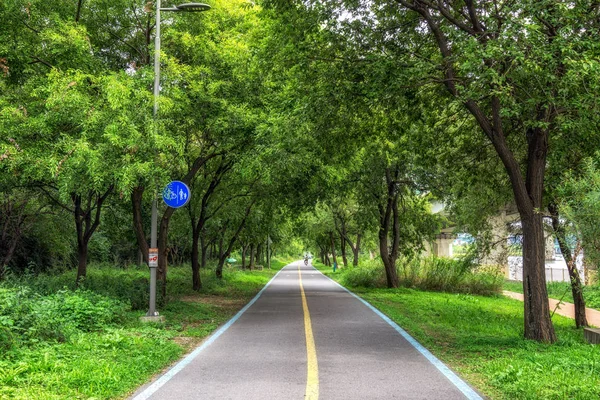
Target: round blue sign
[[176, 194]]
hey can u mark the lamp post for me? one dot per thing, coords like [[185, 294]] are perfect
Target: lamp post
[[152, 314]]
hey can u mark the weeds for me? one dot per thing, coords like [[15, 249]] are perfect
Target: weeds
[[27, 318], [431, 273]]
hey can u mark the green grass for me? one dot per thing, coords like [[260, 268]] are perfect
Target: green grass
[[482, 339], [109, 360], [100, 365], [562, 290]]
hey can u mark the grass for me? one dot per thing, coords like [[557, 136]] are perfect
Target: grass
[[112, 360], [429, 273], [562, 290], [481, 337]]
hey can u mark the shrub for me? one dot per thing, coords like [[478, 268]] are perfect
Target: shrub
[[450, 275], [431, 273], [7, 338], [29, 318], [129, 286], [370, 274], [592, 296]]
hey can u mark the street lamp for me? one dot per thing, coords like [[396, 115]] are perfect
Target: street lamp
[[186, 7]]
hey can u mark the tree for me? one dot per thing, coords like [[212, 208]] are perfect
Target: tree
[[214, 179], [504, 98], [79, 122], [580, 209], [513, 67], [207, 104]]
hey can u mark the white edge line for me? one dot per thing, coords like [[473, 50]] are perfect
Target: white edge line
[[448, 373], [150, 390]]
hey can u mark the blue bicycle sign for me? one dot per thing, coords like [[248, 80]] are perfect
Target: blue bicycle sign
[[176, 194]]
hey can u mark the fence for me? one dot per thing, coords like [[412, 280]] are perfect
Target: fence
[[556, 270]]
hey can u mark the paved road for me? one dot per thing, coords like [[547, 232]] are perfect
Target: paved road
[[306, 337], [563, 308]]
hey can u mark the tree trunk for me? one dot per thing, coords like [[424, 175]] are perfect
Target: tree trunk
[[538, 325], [388, 213], [78, 14], [252, 256], [234, 238], [196, 280], [244, 248], [204, 251], [221, 251], [12, 217], [389, 262], [213, 251], [163, 251], [333, 249], [82, 253], [576, 286], [346, 239], [9, 254], [259, 254], [343, 249], [86, 225], [138, 225], [356, 250]]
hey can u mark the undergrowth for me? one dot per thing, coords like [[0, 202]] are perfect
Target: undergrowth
[[431, 273], [58, 342]]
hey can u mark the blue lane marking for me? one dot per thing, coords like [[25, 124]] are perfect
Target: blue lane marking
[[150, 390], [452, 377]]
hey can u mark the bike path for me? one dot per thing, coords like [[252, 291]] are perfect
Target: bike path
[[263, 353]]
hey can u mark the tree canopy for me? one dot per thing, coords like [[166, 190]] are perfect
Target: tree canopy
[[310, 126]]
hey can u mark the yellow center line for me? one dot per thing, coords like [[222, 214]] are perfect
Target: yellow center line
[[312, 378]]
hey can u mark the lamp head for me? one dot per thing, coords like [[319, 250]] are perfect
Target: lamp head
[[188, 7]]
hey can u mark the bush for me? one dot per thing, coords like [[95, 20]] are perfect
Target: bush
[[129, 286], [431, 273], [592, 296], [370, 274], [29, 318], [450, 275]]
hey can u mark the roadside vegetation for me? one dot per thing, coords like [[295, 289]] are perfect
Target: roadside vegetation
[[480, 337], [57, 342], [427, 273]]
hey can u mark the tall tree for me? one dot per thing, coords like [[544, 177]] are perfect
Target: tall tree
[[513, 66]]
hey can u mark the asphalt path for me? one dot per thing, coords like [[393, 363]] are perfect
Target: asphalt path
[[305, 337]]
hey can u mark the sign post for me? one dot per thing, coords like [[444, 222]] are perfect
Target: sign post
[[176, 194], [152, 314]]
